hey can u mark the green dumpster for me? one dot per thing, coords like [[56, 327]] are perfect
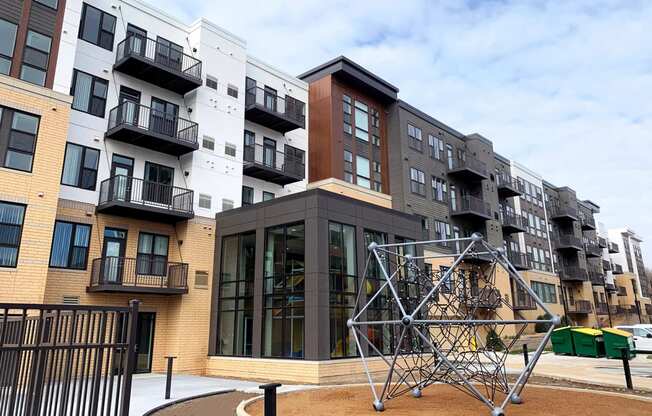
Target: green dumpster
[[615, 339], [588, 342], [562, 341]]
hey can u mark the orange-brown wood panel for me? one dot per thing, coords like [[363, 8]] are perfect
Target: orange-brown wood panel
[[319, 135]]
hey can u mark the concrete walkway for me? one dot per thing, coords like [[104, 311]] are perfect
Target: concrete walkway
[[148, 390], [600, 371]]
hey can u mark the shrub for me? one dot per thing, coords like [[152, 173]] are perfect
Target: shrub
[[494, 343]]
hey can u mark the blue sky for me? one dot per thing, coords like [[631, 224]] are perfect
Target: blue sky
[[564, 87]]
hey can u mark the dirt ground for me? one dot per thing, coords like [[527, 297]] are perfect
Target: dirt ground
[[441, 400], [216, 405]]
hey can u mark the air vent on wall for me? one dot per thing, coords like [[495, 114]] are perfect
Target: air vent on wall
[[201, 279], [70, 300]]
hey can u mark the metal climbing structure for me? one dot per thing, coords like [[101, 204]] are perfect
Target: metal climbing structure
[[441, 318]]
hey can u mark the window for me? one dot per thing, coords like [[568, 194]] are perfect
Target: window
[[378, 186], [211, 82], [415, 139], [346, 109], [18, 138], [50, 3], [70, 245], [230, 149], [35, 58], [436, 146], [232, 90], [361, 121], [375, 140], [247, 195], [417, 182], [348, 166], [375, 118], [381, 308], [235, 295], [227, 204], [425, 224], [80, 166], [545, 291], [267, 196], [89, 93], [376, 166], [7, 43], [208, 143], [152, 257], [11, 230], [439, 190], [284, 291], [343, 287], [362, 171], [205, 201], [97, 27], [442, 231]]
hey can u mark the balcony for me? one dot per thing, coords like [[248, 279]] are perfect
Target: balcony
[[519, 260], [592, 249], [266, 108], [512, 223], [580, 307], [602, 242], [270, 165], [602, 308], [471, 207], [133, 197], [606, 265], [610, 287], [484, 298], [617, 269], [142, 126], [567, 242], [469, 168], [587, 222], [141, 275], [158, 63], [573, 274], [507, 186], [562, 213], [596, 277], [613, 248]]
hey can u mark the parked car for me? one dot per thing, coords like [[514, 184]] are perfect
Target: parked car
[[642, 336]]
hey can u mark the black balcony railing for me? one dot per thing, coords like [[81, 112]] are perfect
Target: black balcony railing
[[613, 248], [471, 206], [508, 186], [573, 273], [469, 167], [158, 62], [561, 212], [266, 107], [265, 162], [484, 298], [587, 222], [520, 261], [513, 223], [602, 242], [617, 269], [143, 126], [140, 275], [580, 306], [126, 195], [521, 300], [592, 249], [606, 265], [567, 241], [596, 276]]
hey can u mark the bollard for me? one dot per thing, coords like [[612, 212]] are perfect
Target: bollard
[[270, 398], [168, 378], [624, 354], [526, 356]]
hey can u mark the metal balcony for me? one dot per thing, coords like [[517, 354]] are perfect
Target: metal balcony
[[580, 307], [573, 274], [562, 213], [587, 222], [519, 260], [596, 277], [602, 242], [469, 168], [521, 301], [592, 249], [133, 197], [138, 275], [484, 298], [613, 248], [610, 287], [617, 269], [567, 242], [471, 207], [507, 186], [273, 166], [512, 223], [266, 108], [142, 126], [606, 265], [602, 308], [158, 63]]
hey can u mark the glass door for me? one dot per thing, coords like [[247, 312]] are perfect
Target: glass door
[[122, 174], [129, 106], [157, 185], [137, 40], [163, 117], [269, 152], [169, 53], [145, 342], [113, 252], [270, 99]]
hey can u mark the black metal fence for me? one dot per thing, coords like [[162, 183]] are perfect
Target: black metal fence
[[291, 161], [286, 106], [66, 360]]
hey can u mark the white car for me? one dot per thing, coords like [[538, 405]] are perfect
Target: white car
[[642, 336]]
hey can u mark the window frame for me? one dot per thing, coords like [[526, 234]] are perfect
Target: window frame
[[81, 168], [13, 48], [420, 182], [71, 245], [20, 234], [7, 116], [248, 189], [100, 28], [358, 174], [205, 197], [151, 255], [415, 141], [38, 51], [94, 80]]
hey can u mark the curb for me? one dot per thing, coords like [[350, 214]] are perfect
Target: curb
[[185, 399]]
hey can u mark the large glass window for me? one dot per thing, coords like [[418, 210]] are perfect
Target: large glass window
[[343, 287], [70, 245], [545, 291], [439, 189], [89, 93], [361, 121], [152, 254], [236, 290], [97, 27], [362, 171], [380, 309], [11, 229], [35, 58], [417, 182], [19, 139], [415, 137], [247, 195], [436, 146], [284, 291], [7, 43], [80, 166]]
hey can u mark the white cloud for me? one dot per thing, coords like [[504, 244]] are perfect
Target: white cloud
[[562, 87]]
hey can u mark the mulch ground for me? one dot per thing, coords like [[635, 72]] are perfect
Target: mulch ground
[[441, 400], [216, 405]]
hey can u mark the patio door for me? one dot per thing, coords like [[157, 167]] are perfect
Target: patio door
[[129, 104], [163, 117], [169, 54], [145, 342], [138, 39], [113, 253], [271, 99], [157, 185], [122, 168], [269, 152]]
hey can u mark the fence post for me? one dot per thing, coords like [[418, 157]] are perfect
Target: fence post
[[132, 335], [526, 356], [270, 398], [624, 354], [168, 377]]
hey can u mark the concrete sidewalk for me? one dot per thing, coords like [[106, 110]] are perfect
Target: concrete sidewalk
[[600, 371]]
